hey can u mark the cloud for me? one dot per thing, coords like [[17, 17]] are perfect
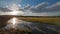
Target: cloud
[[41, 5], [3, 3], [13, 6], [54, 7], [38, 8], [4, 9], [43, 9], [27, 7], [42, 14]]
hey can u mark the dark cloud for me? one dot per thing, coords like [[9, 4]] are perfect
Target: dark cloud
[[43, 7], [38, 8], [55, 7], [4, 9], [27, 7]]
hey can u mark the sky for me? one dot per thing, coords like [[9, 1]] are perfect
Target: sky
[[33, 7], [35, 2], [25, 2]]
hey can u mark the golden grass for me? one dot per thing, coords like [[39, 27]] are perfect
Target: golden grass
[[55, 21]]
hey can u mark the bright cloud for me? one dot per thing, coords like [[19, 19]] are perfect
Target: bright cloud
[[13, 6]]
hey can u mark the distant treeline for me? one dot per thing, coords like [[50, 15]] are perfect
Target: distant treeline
[[30, 16]]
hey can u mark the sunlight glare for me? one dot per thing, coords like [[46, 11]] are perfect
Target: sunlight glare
[[14, 22], [14, 12]]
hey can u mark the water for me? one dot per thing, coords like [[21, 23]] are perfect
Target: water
[[37, 28]]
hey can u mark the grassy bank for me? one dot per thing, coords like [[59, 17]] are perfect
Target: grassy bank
[[50, 20]]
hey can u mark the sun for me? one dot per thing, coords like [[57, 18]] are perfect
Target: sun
[[14, 12]]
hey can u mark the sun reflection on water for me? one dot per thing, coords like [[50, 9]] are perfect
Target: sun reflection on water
[[13, 22]]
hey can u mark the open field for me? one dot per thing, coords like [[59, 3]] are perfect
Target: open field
[[47, 20]]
